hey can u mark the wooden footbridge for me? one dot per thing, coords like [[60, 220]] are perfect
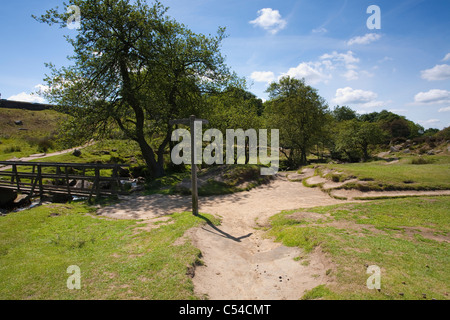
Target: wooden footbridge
[[72, 179]]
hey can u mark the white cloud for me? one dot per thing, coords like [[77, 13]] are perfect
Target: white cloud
[[438, 72], [269, 20], [348, 58], [366, 39], [349, 95], [263, 76], [433, 96], [375, 104], [446, 109], [429, 122], [31, 97], [351, 75], [385, 59], [319, 30], [447, 57], [311, 71], [397, 110]]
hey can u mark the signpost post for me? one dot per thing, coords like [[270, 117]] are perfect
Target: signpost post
[[191, 122]]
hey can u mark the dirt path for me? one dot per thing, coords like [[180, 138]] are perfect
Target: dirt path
[[239, 262], [42, 156]]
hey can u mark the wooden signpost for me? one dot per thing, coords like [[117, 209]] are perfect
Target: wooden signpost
[[191, 122]]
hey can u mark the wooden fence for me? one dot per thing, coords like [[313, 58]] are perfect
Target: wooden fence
[[35, 178]]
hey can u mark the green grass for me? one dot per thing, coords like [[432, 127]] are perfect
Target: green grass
[[118, 260], [406, 238], [434, 174]]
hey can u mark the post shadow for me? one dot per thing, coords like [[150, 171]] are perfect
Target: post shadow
[[222, 233]]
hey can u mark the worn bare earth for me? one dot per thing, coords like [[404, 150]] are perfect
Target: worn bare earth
[[239, 262]]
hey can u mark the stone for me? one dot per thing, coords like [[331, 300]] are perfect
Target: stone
[[394, 149], [7, 197], [61, 198], [76, 153], [18, 122], [383, 154], [406, 151]]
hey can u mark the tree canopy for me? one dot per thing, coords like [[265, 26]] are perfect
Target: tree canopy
[[298, 111], [134, 68]]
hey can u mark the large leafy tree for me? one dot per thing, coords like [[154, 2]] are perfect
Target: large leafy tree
[[298, 111], [354, 138], [134, 69]]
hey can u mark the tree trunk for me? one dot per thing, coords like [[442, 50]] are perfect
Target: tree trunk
[[155, 167], [365, 152]]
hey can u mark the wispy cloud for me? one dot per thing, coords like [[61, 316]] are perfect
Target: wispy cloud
[[446, 109], [366, 39], [348, 58], [429, 122], [269, 20], [320, 30], [447, 57]]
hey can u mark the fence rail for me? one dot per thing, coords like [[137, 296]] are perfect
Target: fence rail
[[67, 178]]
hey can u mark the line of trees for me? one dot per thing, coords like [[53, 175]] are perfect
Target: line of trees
[[134, 69]]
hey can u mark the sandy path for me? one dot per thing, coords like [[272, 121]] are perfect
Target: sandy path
[[239, 262]]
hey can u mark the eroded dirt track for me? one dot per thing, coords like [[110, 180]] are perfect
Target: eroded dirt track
[[239, 263]]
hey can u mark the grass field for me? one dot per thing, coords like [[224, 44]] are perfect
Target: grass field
[[407, 238], [118, 259], [403, 175]]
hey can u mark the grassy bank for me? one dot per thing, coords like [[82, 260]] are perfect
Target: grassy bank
[[410, 173], [406, 238], [118, 259]]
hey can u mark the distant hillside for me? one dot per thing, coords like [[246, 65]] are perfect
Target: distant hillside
[[32, 123], [11, 104]]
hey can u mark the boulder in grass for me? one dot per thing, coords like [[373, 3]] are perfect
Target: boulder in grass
[[394, 149], [76, 152], [7, 197], [18, 123]]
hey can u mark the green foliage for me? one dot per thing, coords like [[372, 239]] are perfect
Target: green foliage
[[444, 134], [234, 108], [299, 113], [354, 137], [343, 113], [135, 69]]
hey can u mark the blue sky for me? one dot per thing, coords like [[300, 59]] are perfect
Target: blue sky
[[403, 67]]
